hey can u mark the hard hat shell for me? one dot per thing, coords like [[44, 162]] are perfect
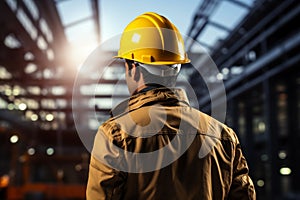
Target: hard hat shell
[[152, 39]]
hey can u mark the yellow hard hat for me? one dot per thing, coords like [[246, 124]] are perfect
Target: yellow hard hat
[[152, 39]]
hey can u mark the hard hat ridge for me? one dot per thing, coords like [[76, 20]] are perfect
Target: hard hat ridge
[[152, 39]]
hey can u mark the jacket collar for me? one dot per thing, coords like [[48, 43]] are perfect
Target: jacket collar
[[162, 95]]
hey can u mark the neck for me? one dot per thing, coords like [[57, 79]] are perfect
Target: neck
[[146, 88]]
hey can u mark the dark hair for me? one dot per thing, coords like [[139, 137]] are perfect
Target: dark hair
[[129, 63], [166, 81]]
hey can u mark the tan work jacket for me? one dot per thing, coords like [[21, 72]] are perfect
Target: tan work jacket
[[158, 147]]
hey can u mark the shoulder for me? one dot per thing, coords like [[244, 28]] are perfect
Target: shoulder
[[111, 129], [212, 126]]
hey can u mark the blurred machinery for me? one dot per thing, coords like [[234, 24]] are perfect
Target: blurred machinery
[[258, 61]]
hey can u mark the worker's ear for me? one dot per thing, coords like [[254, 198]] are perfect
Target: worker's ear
[[135, 72], [127, 68]]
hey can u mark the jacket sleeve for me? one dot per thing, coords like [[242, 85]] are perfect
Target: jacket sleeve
[[242, 186], [104, 182]]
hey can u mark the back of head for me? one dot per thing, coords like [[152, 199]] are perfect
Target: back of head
[[154, 43]]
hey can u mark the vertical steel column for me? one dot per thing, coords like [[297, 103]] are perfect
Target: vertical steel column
[[249, 136], [272, 183], [293, 130]]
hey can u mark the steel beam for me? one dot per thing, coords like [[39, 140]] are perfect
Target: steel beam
[[256, 29], [276, 52]]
